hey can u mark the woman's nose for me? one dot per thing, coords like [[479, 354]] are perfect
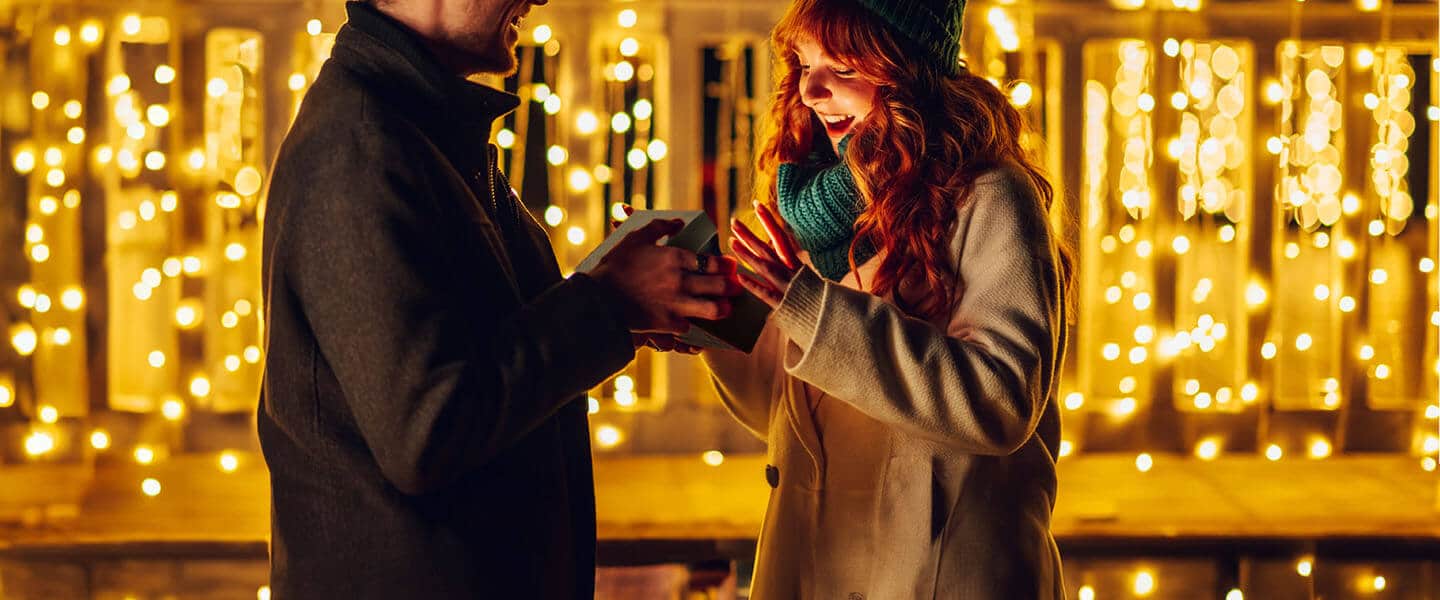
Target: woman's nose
[[814, 88]]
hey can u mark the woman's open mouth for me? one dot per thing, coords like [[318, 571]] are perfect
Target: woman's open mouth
[[836, 125]]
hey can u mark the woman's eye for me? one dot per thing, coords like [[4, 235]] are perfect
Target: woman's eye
[[843, 72]]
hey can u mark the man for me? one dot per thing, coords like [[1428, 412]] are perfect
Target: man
[[423, 413]]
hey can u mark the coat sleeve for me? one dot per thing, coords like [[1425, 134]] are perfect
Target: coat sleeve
[[981, 383], [747, 383], [439, 381]]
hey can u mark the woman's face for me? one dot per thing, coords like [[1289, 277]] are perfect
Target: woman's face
[[840, 97]]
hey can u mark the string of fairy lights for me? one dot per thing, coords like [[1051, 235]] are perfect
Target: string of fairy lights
[[1171, 205]]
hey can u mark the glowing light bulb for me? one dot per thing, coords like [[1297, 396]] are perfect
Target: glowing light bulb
[[229, 462], [607, 436], [627, 18]]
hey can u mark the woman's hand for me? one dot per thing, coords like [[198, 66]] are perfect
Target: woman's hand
[[775, 263]]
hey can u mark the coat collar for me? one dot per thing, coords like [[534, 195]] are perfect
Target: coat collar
[[395, 62]]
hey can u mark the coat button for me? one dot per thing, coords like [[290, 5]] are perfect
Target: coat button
[[772, 476]]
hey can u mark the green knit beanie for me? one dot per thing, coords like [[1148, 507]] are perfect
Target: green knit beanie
[[934, 25]]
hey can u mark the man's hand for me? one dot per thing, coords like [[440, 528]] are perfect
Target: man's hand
[[665, 286]]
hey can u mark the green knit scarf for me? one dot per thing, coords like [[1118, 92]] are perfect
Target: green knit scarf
[[819, 200]]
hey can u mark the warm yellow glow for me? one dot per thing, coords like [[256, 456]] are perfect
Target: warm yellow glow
[[251, 354], [1273, 452], [1021, 94], [1379, 276], [542, 34], [164, 74], [554, 216], [1365, 57], [1179, 100], [217, 87], [1066, 448], [190, 264], [229, 319], [624, 71], [48, 414], [99, 440], [1382, 371], [608, 436], [229, 461], [1074, 400], [656, 150], [594, 404], [1347, 303], [234, 251], [7, 396], [72, 298], [119, 84], [576, 235], [89, 33], [627, 18], [1086, 593], [144, 455], [1208, 449], [314, 27], [40, 100], [557, 155], [172, 410], [552, 105], [1303, 342], [195, 160], [1144, 462], [1379, 582], [200, 386], [248, 181], [643, 109], [1319, 448], [620, 123], [1268, 350], [713, 458], [636, 158], [586, 122], [579, 179], [1304, 567], [154, 160], [629, 47], [150, 486], [1144, 583], [24, 162], [38, 443], [505, 138], [1110, 351], [23, 338], [1234, 594]]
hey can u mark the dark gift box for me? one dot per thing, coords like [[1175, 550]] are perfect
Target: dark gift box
[[736, 332]]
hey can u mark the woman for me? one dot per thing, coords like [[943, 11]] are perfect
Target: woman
[[905, 382]]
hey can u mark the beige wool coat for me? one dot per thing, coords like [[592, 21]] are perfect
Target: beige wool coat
[[913, 459]]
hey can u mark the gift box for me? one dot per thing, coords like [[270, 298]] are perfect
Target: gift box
[[741, 329]]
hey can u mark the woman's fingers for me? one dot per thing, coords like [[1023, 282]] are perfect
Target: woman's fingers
[[762, 289], [753, 243], [780, 238], [767, 268]]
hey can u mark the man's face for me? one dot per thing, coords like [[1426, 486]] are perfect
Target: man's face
[[487, 31]]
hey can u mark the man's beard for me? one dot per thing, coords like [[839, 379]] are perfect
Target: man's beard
[[491, 54]]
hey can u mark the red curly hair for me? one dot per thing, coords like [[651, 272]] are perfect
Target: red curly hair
[[927, 139]]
